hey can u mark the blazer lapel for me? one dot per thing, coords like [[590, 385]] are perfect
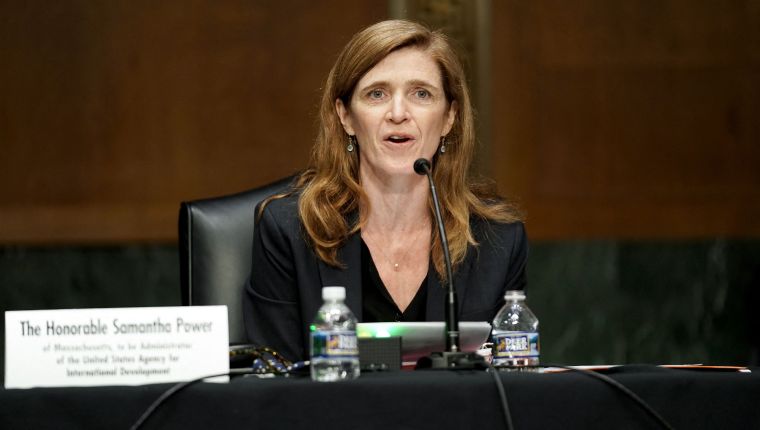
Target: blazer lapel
[[436, 295], [350, 277]]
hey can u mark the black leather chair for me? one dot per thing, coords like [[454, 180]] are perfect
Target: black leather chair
[[215, 238]]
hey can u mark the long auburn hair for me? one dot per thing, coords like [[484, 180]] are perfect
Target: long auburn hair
[[330, 191]]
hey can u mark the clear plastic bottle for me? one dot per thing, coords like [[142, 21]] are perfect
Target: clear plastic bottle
[[515, 333], [334, 351]]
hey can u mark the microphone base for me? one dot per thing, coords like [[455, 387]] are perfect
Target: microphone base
[[452, 361]]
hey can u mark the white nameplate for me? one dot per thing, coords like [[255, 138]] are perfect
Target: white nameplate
[[116, 346]]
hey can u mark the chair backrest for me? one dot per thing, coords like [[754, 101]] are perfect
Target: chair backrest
[[215, 237]]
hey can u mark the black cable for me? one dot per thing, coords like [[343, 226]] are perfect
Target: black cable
[[502, 396], [638, 400], [499, 387], [177, 388]]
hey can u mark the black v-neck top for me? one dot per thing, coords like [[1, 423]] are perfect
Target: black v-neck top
[[377, 303]]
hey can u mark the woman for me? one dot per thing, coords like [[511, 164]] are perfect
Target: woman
[[360, 217]]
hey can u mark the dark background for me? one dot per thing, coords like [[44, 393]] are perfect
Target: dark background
[[629, 134]]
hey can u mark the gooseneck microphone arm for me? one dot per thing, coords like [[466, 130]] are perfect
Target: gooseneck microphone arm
[[422, 167]]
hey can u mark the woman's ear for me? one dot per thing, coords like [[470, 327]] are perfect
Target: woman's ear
[[451, 117], [345, 117]]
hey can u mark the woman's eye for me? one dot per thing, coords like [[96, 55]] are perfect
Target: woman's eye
[[376, 94], [423, 94]]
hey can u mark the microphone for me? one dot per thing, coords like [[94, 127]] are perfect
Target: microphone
[[422, 167], [452, 358]]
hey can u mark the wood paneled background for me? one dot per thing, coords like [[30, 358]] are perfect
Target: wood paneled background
[[113, 112], [636, 119], [628, 120]]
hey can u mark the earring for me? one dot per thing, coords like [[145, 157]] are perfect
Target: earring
[[443, 144], [351, 141]]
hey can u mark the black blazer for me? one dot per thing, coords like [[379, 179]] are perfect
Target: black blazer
[[284, 291]]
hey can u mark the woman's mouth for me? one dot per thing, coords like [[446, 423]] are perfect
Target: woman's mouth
[[399, 138]]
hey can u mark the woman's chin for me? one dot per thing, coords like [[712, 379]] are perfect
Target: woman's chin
[[395, 168]]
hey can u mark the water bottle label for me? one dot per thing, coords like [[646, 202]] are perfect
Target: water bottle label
[[516, 344], [333, 344]]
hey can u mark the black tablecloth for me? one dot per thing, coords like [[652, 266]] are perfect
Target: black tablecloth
[[405, 400]]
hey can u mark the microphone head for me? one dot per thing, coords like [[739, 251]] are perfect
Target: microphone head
[[422, 166]]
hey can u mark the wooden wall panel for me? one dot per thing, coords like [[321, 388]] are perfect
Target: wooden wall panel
[[111, 113], [632, 120], [637, 119]]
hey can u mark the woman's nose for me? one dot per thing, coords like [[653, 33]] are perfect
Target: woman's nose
[[398, 111]]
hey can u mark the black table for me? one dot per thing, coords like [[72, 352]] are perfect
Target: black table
[[405, 400]]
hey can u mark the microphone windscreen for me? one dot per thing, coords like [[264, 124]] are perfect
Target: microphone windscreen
[[421, 166]]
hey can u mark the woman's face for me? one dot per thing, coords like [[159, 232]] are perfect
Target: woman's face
[[398, 112]]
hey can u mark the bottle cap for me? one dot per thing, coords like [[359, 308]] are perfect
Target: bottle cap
[[514, 295], [333, 293]]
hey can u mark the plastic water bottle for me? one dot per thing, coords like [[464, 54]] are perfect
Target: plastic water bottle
[[334, 351], [515, 333]]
